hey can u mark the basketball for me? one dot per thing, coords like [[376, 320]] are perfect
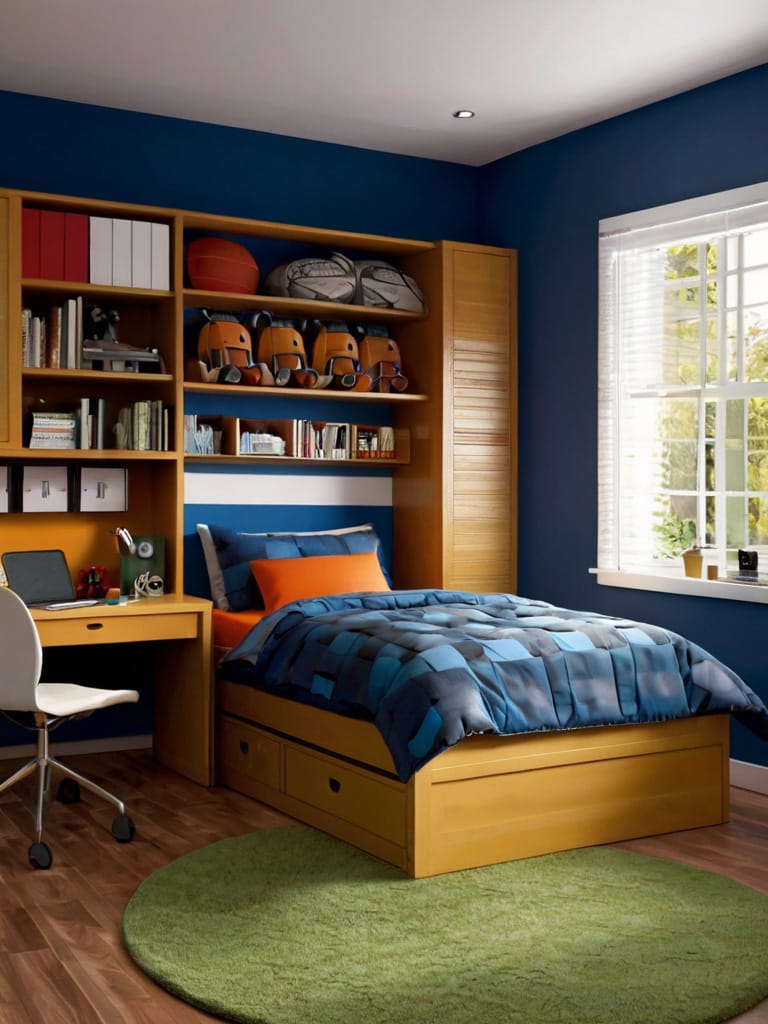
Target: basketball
[[218, 265]]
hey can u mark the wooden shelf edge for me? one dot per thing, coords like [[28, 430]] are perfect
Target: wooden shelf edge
[[292, 460], [38, 284], [195, 387], [97, 375], [84, 454], [195, 298]]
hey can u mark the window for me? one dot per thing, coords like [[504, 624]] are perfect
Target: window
[[683, 383]]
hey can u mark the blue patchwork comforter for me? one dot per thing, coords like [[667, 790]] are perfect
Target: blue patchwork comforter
[[431, 667]]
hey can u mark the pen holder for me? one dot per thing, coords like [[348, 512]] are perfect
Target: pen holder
[[149, 557]]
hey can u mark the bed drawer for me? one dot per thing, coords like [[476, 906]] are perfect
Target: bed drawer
[[347, 792], [246, 757]]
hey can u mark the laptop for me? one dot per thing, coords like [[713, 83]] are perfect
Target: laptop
[[42, 579]]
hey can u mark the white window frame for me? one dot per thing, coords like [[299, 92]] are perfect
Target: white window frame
[[701, 217]]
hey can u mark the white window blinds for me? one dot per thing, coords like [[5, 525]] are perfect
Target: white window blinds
[[683, 381]]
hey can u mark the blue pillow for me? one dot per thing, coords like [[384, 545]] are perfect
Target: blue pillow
[[228, 554]]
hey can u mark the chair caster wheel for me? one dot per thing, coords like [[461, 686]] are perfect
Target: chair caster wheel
[[69, 791], [123, 828], [40, 856]]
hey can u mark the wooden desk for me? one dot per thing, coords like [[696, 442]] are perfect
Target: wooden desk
[[183, 695]]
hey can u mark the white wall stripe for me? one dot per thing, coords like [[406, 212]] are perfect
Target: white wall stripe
[[266, 489]]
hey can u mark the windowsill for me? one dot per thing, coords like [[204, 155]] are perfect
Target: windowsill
[[679, 584]]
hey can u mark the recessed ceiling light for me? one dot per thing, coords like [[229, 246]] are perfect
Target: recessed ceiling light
[[464, 113]]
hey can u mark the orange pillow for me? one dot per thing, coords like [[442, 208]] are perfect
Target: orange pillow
[[282, 580]]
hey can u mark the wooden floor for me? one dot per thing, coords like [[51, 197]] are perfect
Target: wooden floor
[[61, 959]]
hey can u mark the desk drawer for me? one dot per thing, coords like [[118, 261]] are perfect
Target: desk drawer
[[359, 797], [67, 632]]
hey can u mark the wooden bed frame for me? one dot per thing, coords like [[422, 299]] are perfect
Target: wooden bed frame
[[486, 800]]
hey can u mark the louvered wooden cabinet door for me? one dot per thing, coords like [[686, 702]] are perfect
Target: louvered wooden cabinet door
[[480, 422], [455, 505]]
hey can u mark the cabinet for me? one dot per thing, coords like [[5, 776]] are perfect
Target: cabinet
[[455, 505], [454, 474]]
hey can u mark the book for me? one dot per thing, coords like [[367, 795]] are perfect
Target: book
[[75, 247], [30, 242], [121, 252], [99, 430], [86, 424], [34, 341], [68, 351], [78, 337], [53, 338], [26, 316], [52, 227], [161, 256], [141, 254], [100, 250]]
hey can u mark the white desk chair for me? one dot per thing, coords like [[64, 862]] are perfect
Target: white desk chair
[[21, 661]]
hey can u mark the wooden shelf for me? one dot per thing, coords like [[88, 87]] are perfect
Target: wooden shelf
[[228, 301], [95, 376], [86, 455], [292, 460], [225, 390], [116, 294]]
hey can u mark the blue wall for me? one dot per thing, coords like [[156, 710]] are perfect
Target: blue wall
[[546, 202], [82, 150]]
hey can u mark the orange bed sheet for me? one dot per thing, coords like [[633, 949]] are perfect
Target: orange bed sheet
[[229, 628]]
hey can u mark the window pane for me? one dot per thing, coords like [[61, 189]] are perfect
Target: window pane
[[756, 343], [682, 262], [757, 433], [758, 521], [755, 248], [710, 533], [734, 446], [732, 333], [755, 286], [736, 534], [682, 349]]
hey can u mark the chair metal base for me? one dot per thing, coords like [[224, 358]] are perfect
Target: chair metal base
[[39, 854]]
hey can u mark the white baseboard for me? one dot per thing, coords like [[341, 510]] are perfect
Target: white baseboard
[[100, 746], [749, 776]]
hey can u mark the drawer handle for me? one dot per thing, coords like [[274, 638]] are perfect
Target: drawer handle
[[94, 625], [244, 748], [334, 784]]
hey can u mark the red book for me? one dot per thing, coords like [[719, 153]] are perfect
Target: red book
[[76, 247], [52, 245], [30, 242]]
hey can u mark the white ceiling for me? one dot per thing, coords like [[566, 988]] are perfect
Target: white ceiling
[[380, 74]]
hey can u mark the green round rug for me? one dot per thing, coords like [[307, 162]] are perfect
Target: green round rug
[[290, 926]]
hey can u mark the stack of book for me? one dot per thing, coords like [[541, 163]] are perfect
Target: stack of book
[[92, 423], [320, 440], [144, 427], [55, 339], [54, 430], [372, 442]]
